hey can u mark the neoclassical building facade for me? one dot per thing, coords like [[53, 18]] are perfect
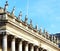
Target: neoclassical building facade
[[18, 35]]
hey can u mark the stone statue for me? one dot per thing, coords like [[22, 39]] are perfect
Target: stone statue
[[52, 38], [40, 31], [26, 18], [47, 35], [20, 15], [36, 27], [44, 31], [30, 22], [13, 10], [6, 5], [57, 41]]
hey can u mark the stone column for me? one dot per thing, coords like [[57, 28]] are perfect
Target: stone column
[[20, 46], [31, 47], [40, 49], [4, 42], [36, 48], [25, 45], [13, 44]]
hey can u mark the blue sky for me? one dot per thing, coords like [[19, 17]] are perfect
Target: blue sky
[[45, 13]]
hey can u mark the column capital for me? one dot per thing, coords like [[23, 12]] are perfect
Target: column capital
[[4, 33], [44, 50], [30, 44], [18, 40], [31, 47], [11, 37], [40, 48], [36, 46], [25, 42]]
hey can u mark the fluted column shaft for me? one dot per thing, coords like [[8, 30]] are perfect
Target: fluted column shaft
[[20, 46], [4, 42], [31, 47], [13, 45], [36, 48], [26, 47]]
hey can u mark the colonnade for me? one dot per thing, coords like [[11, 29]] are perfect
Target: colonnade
[[22, 44]]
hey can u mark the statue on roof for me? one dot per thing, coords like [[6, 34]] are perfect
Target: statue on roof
[[36, 27], [44, 31], [30, 22], [6, 5], [26, 18], [40, 31], [13, 10], [54, 39], [20, 15], [47, 35], [57, 40]]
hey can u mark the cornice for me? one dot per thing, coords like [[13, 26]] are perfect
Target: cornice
[[31, 32], [21, 25]]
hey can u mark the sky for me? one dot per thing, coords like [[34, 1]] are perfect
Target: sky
[[44, 13]]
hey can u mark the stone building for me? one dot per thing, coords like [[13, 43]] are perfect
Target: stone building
[[58, 36], [18, 35]]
